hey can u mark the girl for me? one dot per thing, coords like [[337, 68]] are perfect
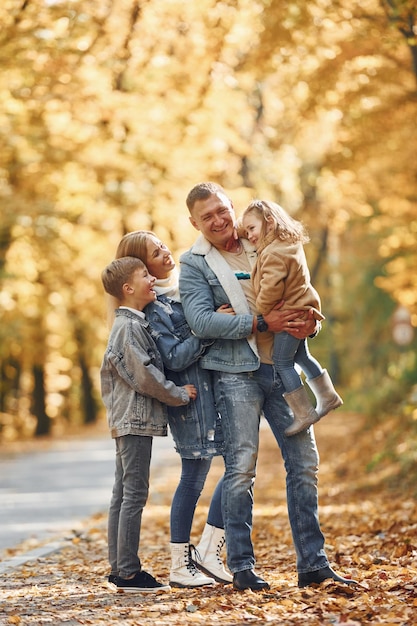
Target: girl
[[281, 273]]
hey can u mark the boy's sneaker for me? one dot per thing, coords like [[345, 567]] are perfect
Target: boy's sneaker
[[112, 580], [141, 582]]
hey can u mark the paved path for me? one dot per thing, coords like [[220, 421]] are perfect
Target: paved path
[[48, 492]]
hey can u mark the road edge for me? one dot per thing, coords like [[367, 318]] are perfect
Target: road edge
[[16, 561]]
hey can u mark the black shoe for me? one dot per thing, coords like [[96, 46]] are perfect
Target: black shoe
[[112, 580], [247, 579], [141, 582], [318, 576]]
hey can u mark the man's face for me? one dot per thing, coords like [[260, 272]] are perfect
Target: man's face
[[215, 219]]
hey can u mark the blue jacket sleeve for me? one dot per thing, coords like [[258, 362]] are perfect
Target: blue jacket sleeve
[[178, 352], [201, 295]]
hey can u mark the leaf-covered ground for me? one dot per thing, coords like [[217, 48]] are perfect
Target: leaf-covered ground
[[371, 535]]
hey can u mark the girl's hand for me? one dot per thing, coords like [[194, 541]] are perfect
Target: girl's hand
[[191, 390], [226, 308]]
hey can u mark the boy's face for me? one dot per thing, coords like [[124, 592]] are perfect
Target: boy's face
[[139, 289]]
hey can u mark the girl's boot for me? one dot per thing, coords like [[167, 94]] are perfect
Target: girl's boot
[[304, 412], [327, 396]]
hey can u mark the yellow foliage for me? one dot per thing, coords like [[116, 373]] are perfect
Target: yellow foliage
[[110, 112]]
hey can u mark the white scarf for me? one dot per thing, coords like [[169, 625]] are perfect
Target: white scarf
[[168, 286], [227, 278]]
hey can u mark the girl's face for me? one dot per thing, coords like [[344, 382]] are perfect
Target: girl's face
[[252, 225], [159, 260]]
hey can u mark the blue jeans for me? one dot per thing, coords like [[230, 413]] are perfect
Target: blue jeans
[[241, 398], [130, 492], [184, 502], [289, 350]]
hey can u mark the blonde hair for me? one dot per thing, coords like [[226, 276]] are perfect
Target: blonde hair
[[131, 245], [286, 228], [118, 273], [135, 244]]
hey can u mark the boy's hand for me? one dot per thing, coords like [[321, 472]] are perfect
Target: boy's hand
[[191, 390]]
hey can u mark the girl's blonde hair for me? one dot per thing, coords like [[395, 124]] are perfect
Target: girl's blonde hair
[[285, 227]]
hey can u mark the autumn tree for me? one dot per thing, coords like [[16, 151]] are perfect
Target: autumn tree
[[111, 111]]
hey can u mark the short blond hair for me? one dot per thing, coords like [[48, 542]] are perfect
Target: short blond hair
[[118, 273]]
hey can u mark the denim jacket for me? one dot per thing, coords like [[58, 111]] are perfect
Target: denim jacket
[[206, 282], [133, 385], [196, 428]]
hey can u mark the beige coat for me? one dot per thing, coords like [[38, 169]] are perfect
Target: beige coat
[[281, 273]]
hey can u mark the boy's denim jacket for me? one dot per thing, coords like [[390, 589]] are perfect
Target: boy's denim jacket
[[196, 428], [133, 383], [206, 282]]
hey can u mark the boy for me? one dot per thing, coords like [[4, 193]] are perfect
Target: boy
[[134, 391]]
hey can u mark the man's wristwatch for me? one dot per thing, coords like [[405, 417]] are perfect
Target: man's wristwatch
[[261, 325]]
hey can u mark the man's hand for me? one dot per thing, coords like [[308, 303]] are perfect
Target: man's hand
[[288, 321]]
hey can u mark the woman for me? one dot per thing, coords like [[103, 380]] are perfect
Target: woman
[[196, 428]]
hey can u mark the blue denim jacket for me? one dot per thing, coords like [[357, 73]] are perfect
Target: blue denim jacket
[[133, 384], [196, 429], [206, 282]]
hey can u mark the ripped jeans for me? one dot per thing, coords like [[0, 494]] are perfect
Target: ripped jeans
[[241, 399]]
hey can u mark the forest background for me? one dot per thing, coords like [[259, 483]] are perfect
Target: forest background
[[111, 110]]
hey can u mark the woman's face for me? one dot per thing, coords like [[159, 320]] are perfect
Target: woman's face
[[159, 260]]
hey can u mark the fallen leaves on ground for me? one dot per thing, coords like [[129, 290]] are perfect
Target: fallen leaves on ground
[[371, 536]]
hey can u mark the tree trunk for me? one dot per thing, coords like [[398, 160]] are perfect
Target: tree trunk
[[43, 425], [89, 405]]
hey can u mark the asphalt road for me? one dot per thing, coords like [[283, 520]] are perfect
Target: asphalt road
[[50, 491]]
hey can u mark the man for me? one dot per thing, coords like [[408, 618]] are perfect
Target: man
[[215, 271]]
